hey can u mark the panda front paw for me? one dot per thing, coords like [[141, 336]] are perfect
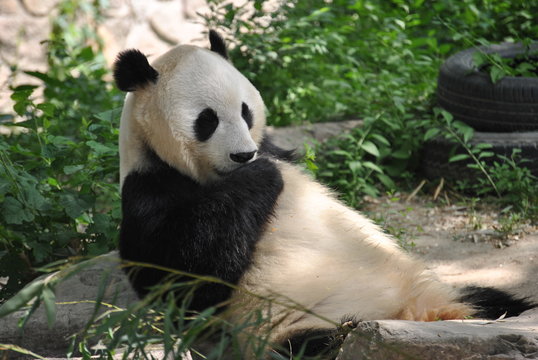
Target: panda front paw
[[262, 173]]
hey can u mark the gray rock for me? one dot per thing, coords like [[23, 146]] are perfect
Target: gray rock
[[73, 309], [294, 137], [512, 338]]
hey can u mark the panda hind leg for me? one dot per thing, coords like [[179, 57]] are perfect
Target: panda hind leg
[[322, 344], [490, 303]]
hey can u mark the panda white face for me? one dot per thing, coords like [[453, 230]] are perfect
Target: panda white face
[[213, 105], [198, 114], [228, 143]]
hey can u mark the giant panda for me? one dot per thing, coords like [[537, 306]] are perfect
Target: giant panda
[[205, 191]]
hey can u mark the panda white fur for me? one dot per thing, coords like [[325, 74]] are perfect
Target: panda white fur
[[204, 191]]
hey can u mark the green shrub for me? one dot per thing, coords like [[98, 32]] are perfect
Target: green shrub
[[376, 60], [59, 165]]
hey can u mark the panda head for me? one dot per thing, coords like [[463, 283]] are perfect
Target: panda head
[[191, 108]]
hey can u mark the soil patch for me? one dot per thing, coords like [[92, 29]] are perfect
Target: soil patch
[[464, 244]]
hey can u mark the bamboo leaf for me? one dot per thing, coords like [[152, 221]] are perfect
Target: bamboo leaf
[[458, 157], [49, 301], [22, 298]]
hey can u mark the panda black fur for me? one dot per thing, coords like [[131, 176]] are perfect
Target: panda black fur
[[205, 192]]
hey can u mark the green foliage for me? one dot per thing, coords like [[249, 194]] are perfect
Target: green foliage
[[59, 165], [316, 61], [505, 177], [522, 65], [309, 159], [351, 163], [377, 60]]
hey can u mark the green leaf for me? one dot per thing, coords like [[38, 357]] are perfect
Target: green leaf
[[43, 77], [370, 190], [33, 198], [29, 124], [355, 166], [4, 186], [71, 169], [447, 117], [101, 149], [482, 146], [49, 300], [74, 206], [458, 157], [20, 107], [497, 74], [14, 212], [25, 88], [53, 182], [479, 58], [86, 53], [47, 108], [370, 148], [386, 181], [109, 116], [431, 133], [400, 23], [22, 93], [383, 140], [484, 154], [401, 154], [341, 153], [21, 298], [468, 133], [371, 165]]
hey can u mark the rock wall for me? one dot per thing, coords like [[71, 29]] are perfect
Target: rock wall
[[151, 25]]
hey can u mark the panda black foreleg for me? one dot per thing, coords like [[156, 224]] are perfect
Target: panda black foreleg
[[173, 221]]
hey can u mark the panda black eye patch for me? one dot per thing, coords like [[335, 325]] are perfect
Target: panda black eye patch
[[206, 124], [246, 114]]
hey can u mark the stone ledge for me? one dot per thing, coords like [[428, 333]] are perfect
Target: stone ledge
[[512, 338]]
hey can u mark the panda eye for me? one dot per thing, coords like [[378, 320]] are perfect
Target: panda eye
[[206, 124], [246, 114]]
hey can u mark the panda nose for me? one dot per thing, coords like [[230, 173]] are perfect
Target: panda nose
[[242, 157]]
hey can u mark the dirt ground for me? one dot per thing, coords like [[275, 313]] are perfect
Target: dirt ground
[[464, 244]]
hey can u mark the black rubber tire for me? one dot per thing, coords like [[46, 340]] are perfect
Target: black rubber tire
[[469, 95], [437, 152]]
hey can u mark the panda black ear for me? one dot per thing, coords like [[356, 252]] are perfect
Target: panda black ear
[[132, 71], [217, 44]]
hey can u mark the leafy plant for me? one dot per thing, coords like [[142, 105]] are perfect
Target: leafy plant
[[58, 167], [505, 177], [376, 60], [351, 163], [521, 65]]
